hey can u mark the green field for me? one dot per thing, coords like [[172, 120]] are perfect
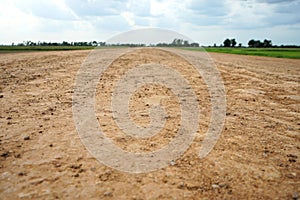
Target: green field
[[7, 49], [271, 52]]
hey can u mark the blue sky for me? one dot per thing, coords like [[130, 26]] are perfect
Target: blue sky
[[204, 21]]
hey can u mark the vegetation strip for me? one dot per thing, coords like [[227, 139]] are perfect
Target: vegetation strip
[[42, 48], [270, 52]]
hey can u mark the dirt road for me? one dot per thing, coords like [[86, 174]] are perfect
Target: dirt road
[[256, 157]]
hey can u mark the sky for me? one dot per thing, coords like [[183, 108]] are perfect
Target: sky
[[204, 21]]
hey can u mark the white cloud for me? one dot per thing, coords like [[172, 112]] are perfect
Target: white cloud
[[129, 17], [54, 9], [140, 8], [206, 21], [209, 8]]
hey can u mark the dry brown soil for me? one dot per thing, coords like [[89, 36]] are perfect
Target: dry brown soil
[[256, 157]]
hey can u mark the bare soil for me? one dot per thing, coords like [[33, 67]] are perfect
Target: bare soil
[[42, 156]]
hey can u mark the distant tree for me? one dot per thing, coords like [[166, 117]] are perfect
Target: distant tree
[[227, 42], [64, 43], [194, 44], [267, 43], [240, 44], [186, 43], [179, 42], [251, 43], [215, 45], [94, 43], [232, 42], [258, 44]]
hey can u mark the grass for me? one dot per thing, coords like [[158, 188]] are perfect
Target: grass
[[7, 49], [270, 52]]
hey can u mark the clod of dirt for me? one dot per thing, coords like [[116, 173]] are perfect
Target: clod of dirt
[[292, 156], [26, 138], [5, 154], [76, 166], [18, 156], [22, 174]]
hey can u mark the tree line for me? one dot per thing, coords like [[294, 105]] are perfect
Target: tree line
[[175, 43], [178, 43], [64, 43], [252, 43]]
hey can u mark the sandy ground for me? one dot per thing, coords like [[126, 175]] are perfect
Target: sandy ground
[[256, 157]]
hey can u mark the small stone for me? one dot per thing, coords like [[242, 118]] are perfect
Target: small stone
[[1, 96], [107, 194], [295, 196], [290, 175], [181, 185], [103, 177], [57, 165], [76, 175], [215, 186], [172, 163], [26, 138], [93, 169]]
